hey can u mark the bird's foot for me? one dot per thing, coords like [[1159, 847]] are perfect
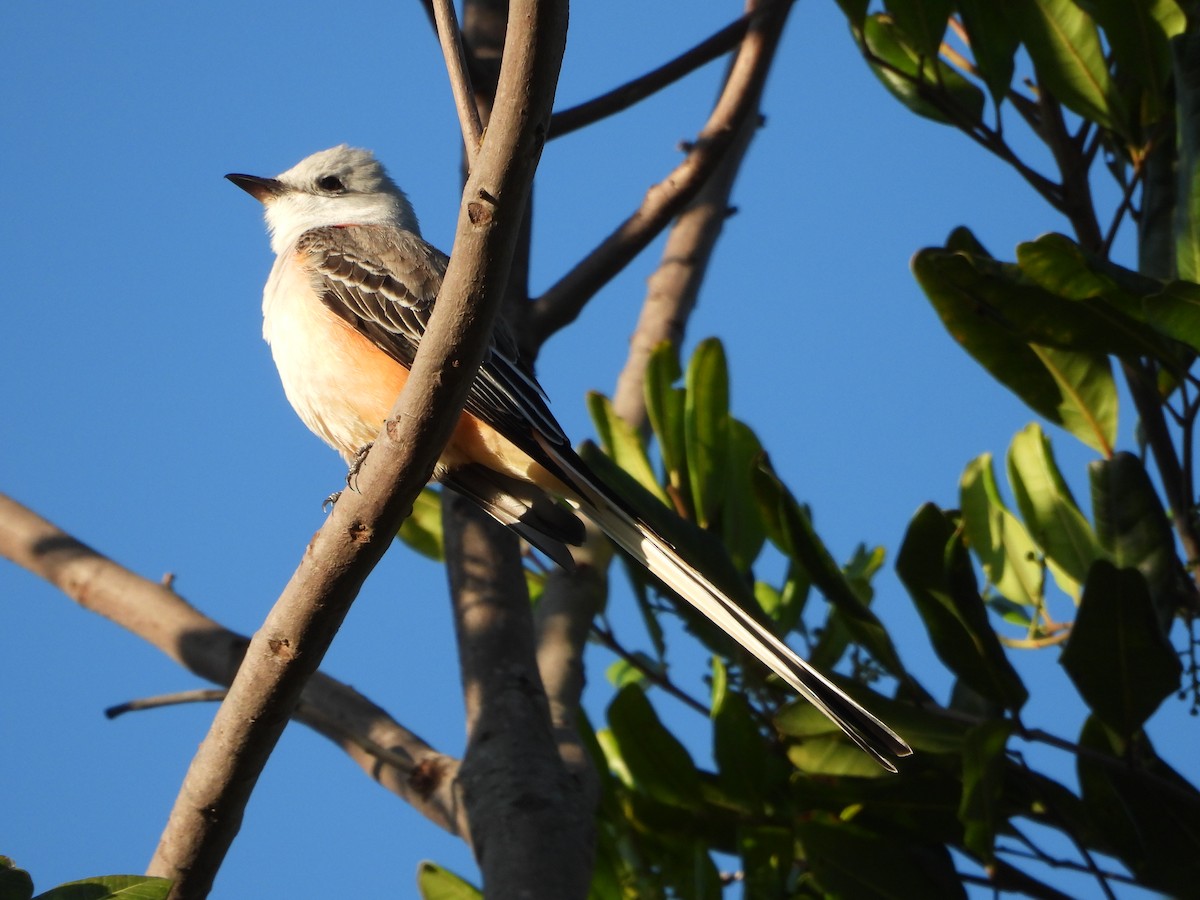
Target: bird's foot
[[356, 464]]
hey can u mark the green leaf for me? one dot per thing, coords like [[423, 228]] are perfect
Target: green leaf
[[1007, 327], [623, 672], [1069, 58], [422, 530], [706, 429], [934, 567], [993, 43], [664, 408], [1132, 527], [741, 522], [622, 442], [655, 763], [767, 853], [1117, 656], [438, 883], [923, 83], [1148, 813], [855, 11], [923, 22], [1139, 43], [1050, 511], [15, 883], [982, 810], [798, 540], [1008, 555], [742, 756], [849, 861], [111, 887], [1175, 311], [1186, 50]]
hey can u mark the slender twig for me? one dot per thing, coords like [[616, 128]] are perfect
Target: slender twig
[[1123, 207], [450, 38], [632, 92], [1036, 854], [202, 695], [608, 639], [563, 302]]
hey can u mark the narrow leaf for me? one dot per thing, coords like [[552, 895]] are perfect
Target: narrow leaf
[[850, 861], [657, 764], [1004, 549], [922, 21], [706, 428], [1069, 58], [993, 43], [1186, 49], [1050, 511], [623, 444], [664, 408]]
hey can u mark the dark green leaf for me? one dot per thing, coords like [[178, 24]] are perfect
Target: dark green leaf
[[741, 521], [1069, 58], [654, 760], [422, 530], [798, 539], [923, 22], [849, 861], [982, 810], [15, 883], [934, 567], [924, 84], [1186, 52], [437, 883], [664, 408], [1008, 328], [1139, 45], [1175, 311], [111, 887], [706, 429], [742, 756], [1004, 549], [623, 444], [767, 853], [1144, 808], [855, 11], [1049, 510], [1117, 655], [993, 43], [1132, 528]]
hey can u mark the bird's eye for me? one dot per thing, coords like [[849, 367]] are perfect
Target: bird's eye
[[331, 183]]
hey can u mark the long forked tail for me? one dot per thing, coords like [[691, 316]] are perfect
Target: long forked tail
[[641, 542]]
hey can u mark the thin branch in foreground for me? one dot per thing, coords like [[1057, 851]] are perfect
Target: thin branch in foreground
[[633, 92], [450, 38], [201, 695], [562, 303]]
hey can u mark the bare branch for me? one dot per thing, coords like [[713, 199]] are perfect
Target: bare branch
[[450, 39], [412, 769], [647, 85], [563, 302], [200, 695]]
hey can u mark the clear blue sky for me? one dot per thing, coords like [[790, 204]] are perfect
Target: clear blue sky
[[142, 412]]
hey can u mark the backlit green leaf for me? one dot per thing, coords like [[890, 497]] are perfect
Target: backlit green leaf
[[438, 883], [1008, 556], [706, 429]]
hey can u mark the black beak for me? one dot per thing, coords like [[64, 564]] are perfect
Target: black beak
[[261, 189]]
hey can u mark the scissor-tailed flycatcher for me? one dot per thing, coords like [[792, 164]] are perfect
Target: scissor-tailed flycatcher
[[344, 309]]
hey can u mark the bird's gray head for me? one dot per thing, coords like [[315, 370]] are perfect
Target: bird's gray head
[[340, 186]]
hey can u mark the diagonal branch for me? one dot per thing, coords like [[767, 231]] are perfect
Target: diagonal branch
[[450, 38], [563, 302], [408, 766], [633, 92]]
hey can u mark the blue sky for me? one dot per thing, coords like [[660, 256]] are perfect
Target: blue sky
[[143, 414]]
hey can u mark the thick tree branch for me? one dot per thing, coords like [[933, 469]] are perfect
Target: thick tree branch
[[563, 302], [407, 766], [298, 631]]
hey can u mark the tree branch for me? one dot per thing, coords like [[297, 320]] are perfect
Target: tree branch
[[450, 39], [411, 768], [563, 302], [633, 92]]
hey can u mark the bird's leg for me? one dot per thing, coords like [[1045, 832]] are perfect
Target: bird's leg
[[356, 464], [330, 501]]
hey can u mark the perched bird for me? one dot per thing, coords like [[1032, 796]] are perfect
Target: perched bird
[[344, 309]]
